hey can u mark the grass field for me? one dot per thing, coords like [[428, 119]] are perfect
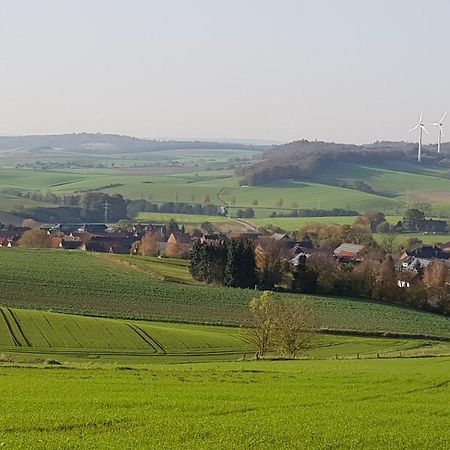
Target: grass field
[[33, 336], [32, 333], [393, 404], [190, 182], [84, 283]]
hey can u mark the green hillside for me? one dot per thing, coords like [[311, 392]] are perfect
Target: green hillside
[[373, 404], [50, 333], [395, 185], [92, 284]]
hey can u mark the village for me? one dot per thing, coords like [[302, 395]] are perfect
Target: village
[[279, 257]]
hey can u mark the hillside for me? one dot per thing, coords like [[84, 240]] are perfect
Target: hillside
[[90, 284], [36, 332]]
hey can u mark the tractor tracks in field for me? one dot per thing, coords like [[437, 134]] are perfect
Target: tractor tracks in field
[[15, 329], [157, 347]]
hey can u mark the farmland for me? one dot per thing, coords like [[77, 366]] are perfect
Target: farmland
[[397, 403], [90, 284], [32, 336], [31, 333], [188, 181]]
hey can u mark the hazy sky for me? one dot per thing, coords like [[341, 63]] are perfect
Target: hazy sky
[[341, 70]]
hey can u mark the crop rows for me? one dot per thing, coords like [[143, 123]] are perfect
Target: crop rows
[[83, 283]]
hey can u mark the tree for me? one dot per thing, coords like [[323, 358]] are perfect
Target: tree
[[413, 219], [35, 238], [284, 325], [149, 244], [269, 254], [435, 278], [386, 282], [304, 277], [240, 268], [172, 227], [173, 249], [294, 328], [29, 223], [264, 313]]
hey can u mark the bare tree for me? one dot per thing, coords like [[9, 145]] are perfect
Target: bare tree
[[284, 325], [295, 327], [263, 312]]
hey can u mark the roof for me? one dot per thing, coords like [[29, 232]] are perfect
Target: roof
[[279, 236], [183, 238], [348, 250]]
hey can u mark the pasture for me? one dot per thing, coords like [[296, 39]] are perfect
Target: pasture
[[92, 284], [393, 403]]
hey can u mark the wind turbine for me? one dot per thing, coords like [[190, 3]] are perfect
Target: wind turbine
[[441, 131], [421, 128]]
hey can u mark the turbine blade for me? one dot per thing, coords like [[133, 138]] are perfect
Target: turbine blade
[[424, 129], [415, 128], [421, 116], [443, 117]]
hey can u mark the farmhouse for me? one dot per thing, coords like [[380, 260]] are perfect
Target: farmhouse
[[348, 253]]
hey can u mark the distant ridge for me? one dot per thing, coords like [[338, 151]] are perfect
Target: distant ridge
[[85, 143]]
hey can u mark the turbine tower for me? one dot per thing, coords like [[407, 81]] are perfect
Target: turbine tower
[[421, 128], [441, 131]]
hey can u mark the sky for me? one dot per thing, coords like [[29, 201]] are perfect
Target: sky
[[352, 71]]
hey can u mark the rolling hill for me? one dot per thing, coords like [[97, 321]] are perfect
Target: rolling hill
[[92, 284]]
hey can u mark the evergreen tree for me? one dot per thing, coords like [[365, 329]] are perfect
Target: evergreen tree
[[304, 278]]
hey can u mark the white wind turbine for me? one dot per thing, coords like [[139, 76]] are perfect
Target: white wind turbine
[[421, 128], [441, 131]]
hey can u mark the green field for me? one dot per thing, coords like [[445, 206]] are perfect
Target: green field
[[395, 404], [92, 284], [32, 336], [32, 333], [188, 181]]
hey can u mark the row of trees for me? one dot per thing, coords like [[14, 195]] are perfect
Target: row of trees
[[229, 263], [89, 206], [374, 278]]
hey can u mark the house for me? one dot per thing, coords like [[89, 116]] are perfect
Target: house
[[178, 244], [239, 235], [214, 238], [106, 244], [94, 228], [433, 226], [407, 279], [280, 237], [348, 253], [427, 252], [412, 264], [4, 242]]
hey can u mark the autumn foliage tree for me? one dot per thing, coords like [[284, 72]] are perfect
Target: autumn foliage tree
[[149, 244], [281, 325], [35, 238]]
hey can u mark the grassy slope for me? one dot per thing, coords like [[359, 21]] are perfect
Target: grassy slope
[[84, 283], [394, 181], [393, 404], [45, 332], [28, 335]]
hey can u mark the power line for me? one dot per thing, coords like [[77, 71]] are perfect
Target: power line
[[106, 207]]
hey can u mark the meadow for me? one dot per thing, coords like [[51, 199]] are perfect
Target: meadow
[[97, 285], [191, 176], [393, 403]]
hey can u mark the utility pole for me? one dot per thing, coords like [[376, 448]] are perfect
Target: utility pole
[[106, 207]]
